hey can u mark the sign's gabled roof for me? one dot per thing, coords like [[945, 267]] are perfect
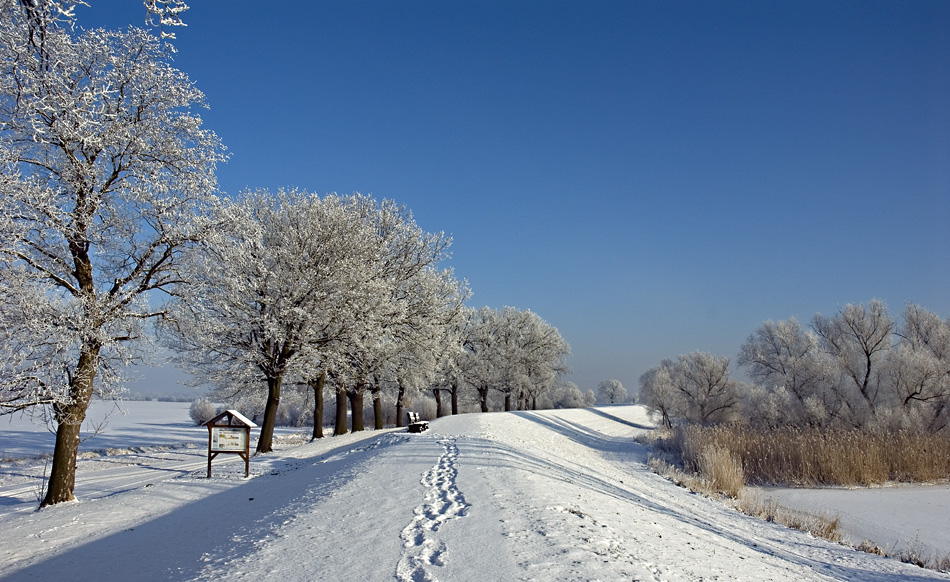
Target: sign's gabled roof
[[232, 416]]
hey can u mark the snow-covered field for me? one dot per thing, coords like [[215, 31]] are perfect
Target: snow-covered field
[[122, 425], [554, 495]]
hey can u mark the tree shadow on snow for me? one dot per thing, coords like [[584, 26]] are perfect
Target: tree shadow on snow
[[590, 438], [602, 412], [210, 531]]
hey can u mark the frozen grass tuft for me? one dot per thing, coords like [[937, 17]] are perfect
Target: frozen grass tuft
[[823, 526], [919, 555], [915, 554]]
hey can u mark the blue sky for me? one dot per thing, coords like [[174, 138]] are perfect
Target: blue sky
[[651, 177]]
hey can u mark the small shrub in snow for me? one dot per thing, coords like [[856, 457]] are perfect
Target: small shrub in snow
[[589, 398], [919, 555], [568, 395], [202, 410], [426, 407]]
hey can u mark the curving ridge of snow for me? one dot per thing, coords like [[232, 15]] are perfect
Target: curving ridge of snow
[[553, 495]]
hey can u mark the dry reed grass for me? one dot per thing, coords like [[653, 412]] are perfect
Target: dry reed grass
[[721, 470], [915, 554], [808, 457]]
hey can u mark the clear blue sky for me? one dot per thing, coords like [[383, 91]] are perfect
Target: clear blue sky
[[651, 177]]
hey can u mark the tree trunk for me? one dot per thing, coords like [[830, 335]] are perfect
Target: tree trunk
[[62, 479], [317, 386], [377, 408], [437, 392], [483, 398], [400, 406], [666, 420], [339, 426], [356, 408], [266, 438], [455, 399], [507, 401]]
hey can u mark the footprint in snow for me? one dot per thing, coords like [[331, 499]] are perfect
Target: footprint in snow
[[443, 502]]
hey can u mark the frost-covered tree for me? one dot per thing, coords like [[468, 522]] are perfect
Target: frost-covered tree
[[427, 358], [612, 391], [918, 369], [282, 278], [475, 363], [659, 394], [41, 15], [783, 354], [513, 352], [793, 371], [308, 291], [112, 169], [164, 14], [432, 306], [568, 395], [447, 378], [416, 299], [857, 368], [696, 387], [543, 357], [859, 338], [703, 379]]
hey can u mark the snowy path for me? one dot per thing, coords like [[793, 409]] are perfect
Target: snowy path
[[557, 495], [443, 501]]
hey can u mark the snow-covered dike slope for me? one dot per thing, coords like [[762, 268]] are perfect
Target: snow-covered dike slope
[[554, 495]]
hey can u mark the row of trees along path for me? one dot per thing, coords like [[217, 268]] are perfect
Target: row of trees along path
[[110, 205]]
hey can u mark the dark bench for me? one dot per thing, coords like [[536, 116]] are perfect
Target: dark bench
[[416, 425]]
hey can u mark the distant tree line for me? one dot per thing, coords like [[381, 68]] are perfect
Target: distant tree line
[[857, 369]]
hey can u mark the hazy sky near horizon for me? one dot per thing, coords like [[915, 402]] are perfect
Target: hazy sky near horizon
[[650, 177]]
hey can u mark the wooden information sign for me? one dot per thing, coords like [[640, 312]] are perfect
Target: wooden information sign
[[230, 432]]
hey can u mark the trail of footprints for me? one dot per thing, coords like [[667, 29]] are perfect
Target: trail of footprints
[[443, 502]]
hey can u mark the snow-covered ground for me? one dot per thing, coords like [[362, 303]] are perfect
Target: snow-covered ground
[[121, 425], [554, 495]]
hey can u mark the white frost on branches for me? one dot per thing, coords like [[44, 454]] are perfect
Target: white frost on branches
[[293, 285], [513, 352], [106, 173], [856, 369], [163, 14], [612, 391]]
